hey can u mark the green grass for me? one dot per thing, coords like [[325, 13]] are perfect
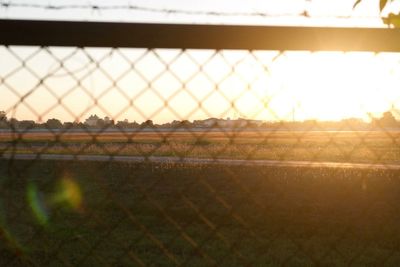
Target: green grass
[[196, 215]]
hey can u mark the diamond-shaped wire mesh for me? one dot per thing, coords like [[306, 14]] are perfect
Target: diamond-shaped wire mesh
[[126, 157]]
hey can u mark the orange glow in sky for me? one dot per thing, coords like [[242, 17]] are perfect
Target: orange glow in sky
[[262, 85]]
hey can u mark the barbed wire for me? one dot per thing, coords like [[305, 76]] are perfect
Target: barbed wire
[[172, 11]]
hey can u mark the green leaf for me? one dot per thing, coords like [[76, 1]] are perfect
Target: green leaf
[[382, 4], [356, 3], [392, 20]]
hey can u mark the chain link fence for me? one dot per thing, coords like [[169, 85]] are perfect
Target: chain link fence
[[165, 155]]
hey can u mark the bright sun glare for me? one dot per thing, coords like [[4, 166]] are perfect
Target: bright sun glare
[[293, 86], [335, 85], [268, 86]]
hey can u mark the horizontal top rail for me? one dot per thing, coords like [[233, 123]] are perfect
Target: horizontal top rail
[[139, 35]]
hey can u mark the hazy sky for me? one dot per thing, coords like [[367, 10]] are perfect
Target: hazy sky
[[298, 85], [275, 11]]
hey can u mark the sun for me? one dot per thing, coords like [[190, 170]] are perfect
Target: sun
[[330, 86]]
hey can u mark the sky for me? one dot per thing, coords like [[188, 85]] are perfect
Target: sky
[[264, 85], [281, 12]]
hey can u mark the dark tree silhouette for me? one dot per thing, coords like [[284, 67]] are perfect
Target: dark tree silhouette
[[3, 119], [388, 119], [122, 124], [100, 123], [148, 123], [53, 124], [3, 116]]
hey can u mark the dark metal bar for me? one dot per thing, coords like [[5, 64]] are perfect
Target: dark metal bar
[[106, 34]]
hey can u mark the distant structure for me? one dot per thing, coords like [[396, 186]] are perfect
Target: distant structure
[[107, 120], [228, 123], [294, 110], [92, 120]]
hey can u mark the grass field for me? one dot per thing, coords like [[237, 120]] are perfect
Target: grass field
[[337, 146], [119, 214]]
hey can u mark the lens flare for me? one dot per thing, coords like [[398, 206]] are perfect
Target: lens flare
[[69, 193], [7, 236], [36, 203]]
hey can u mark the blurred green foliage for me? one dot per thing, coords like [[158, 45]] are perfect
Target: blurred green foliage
[[392, 19]]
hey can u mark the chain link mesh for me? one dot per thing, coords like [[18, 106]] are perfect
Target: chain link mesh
[[179, 184]]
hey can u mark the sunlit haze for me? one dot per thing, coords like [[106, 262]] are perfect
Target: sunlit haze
[[264, 85]]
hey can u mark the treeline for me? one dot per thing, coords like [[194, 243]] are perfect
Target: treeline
[[386, 121]]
